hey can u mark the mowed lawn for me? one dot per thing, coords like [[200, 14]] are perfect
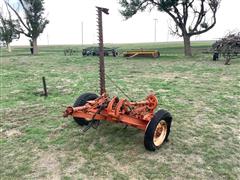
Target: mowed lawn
[[202, 95]]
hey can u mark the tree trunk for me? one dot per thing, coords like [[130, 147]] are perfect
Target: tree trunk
[[35, 47], [227, 61], [187, 45], [9, 47]]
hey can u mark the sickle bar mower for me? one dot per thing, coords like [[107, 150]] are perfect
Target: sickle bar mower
[[90, 108]]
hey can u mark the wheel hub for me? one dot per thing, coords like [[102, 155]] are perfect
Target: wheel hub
[[160, 133]]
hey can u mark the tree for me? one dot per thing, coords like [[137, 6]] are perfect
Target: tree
[[9, 29], [191, 17], [228, 46], [33, 24]]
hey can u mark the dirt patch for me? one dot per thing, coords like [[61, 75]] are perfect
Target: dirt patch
[[169, 76], [16, 91], [19, 116], [49, 166], [12, 133], [64, 90], [226, 78], [75, 165], [116, 164], [166, 76], [122, 168]]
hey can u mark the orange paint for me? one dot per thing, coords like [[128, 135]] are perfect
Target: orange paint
[[136, 114]]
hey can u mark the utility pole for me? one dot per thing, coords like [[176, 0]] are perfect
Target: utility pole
[[47, 39], [82, 33], [155, 30]]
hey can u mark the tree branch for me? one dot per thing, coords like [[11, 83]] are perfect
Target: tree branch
[[19, 17], [201, 14], [26, 12], [185, 13], [206, 29], [213, 6], [131, 8], [23, 32], [180, 22]]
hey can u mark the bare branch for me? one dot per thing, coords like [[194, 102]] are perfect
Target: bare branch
[[17, 14], [201, 14]]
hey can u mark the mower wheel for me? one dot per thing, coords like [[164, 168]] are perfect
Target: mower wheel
[[82, 100], [157, 130]]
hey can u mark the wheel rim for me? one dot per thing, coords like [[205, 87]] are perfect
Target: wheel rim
[[160, 133]]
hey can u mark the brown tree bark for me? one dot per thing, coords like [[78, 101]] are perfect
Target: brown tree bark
[[187, 45], [227, 60], [35, 47], [9, 48]]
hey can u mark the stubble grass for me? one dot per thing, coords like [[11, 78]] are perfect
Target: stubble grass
[[202, 95]]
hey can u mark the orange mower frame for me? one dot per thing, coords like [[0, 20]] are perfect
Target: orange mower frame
[[89, 109]]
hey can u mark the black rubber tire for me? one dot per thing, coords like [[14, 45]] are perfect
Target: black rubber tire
[[82, 100], [149, 134]]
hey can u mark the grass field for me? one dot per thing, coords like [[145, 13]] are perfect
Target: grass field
[[202, 95]]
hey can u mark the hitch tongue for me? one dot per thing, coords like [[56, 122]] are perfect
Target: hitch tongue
[[68, 111]]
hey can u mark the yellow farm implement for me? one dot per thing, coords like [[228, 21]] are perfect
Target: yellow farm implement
[[142, 53]]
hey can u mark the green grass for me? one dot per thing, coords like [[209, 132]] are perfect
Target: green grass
[[202, 95]]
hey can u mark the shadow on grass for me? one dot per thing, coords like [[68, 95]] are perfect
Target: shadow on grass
[[14, 55]]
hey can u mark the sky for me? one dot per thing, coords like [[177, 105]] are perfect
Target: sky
[[67, 16]]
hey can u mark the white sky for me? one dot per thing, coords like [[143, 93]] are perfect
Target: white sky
[[66, 16]]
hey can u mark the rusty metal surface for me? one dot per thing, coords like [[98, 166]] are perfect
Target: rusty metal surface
[[136, 114], [101, 49]]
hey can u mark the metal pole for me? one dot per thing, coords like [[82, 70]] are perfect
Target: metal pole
[[155, 30], [44, 87]]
